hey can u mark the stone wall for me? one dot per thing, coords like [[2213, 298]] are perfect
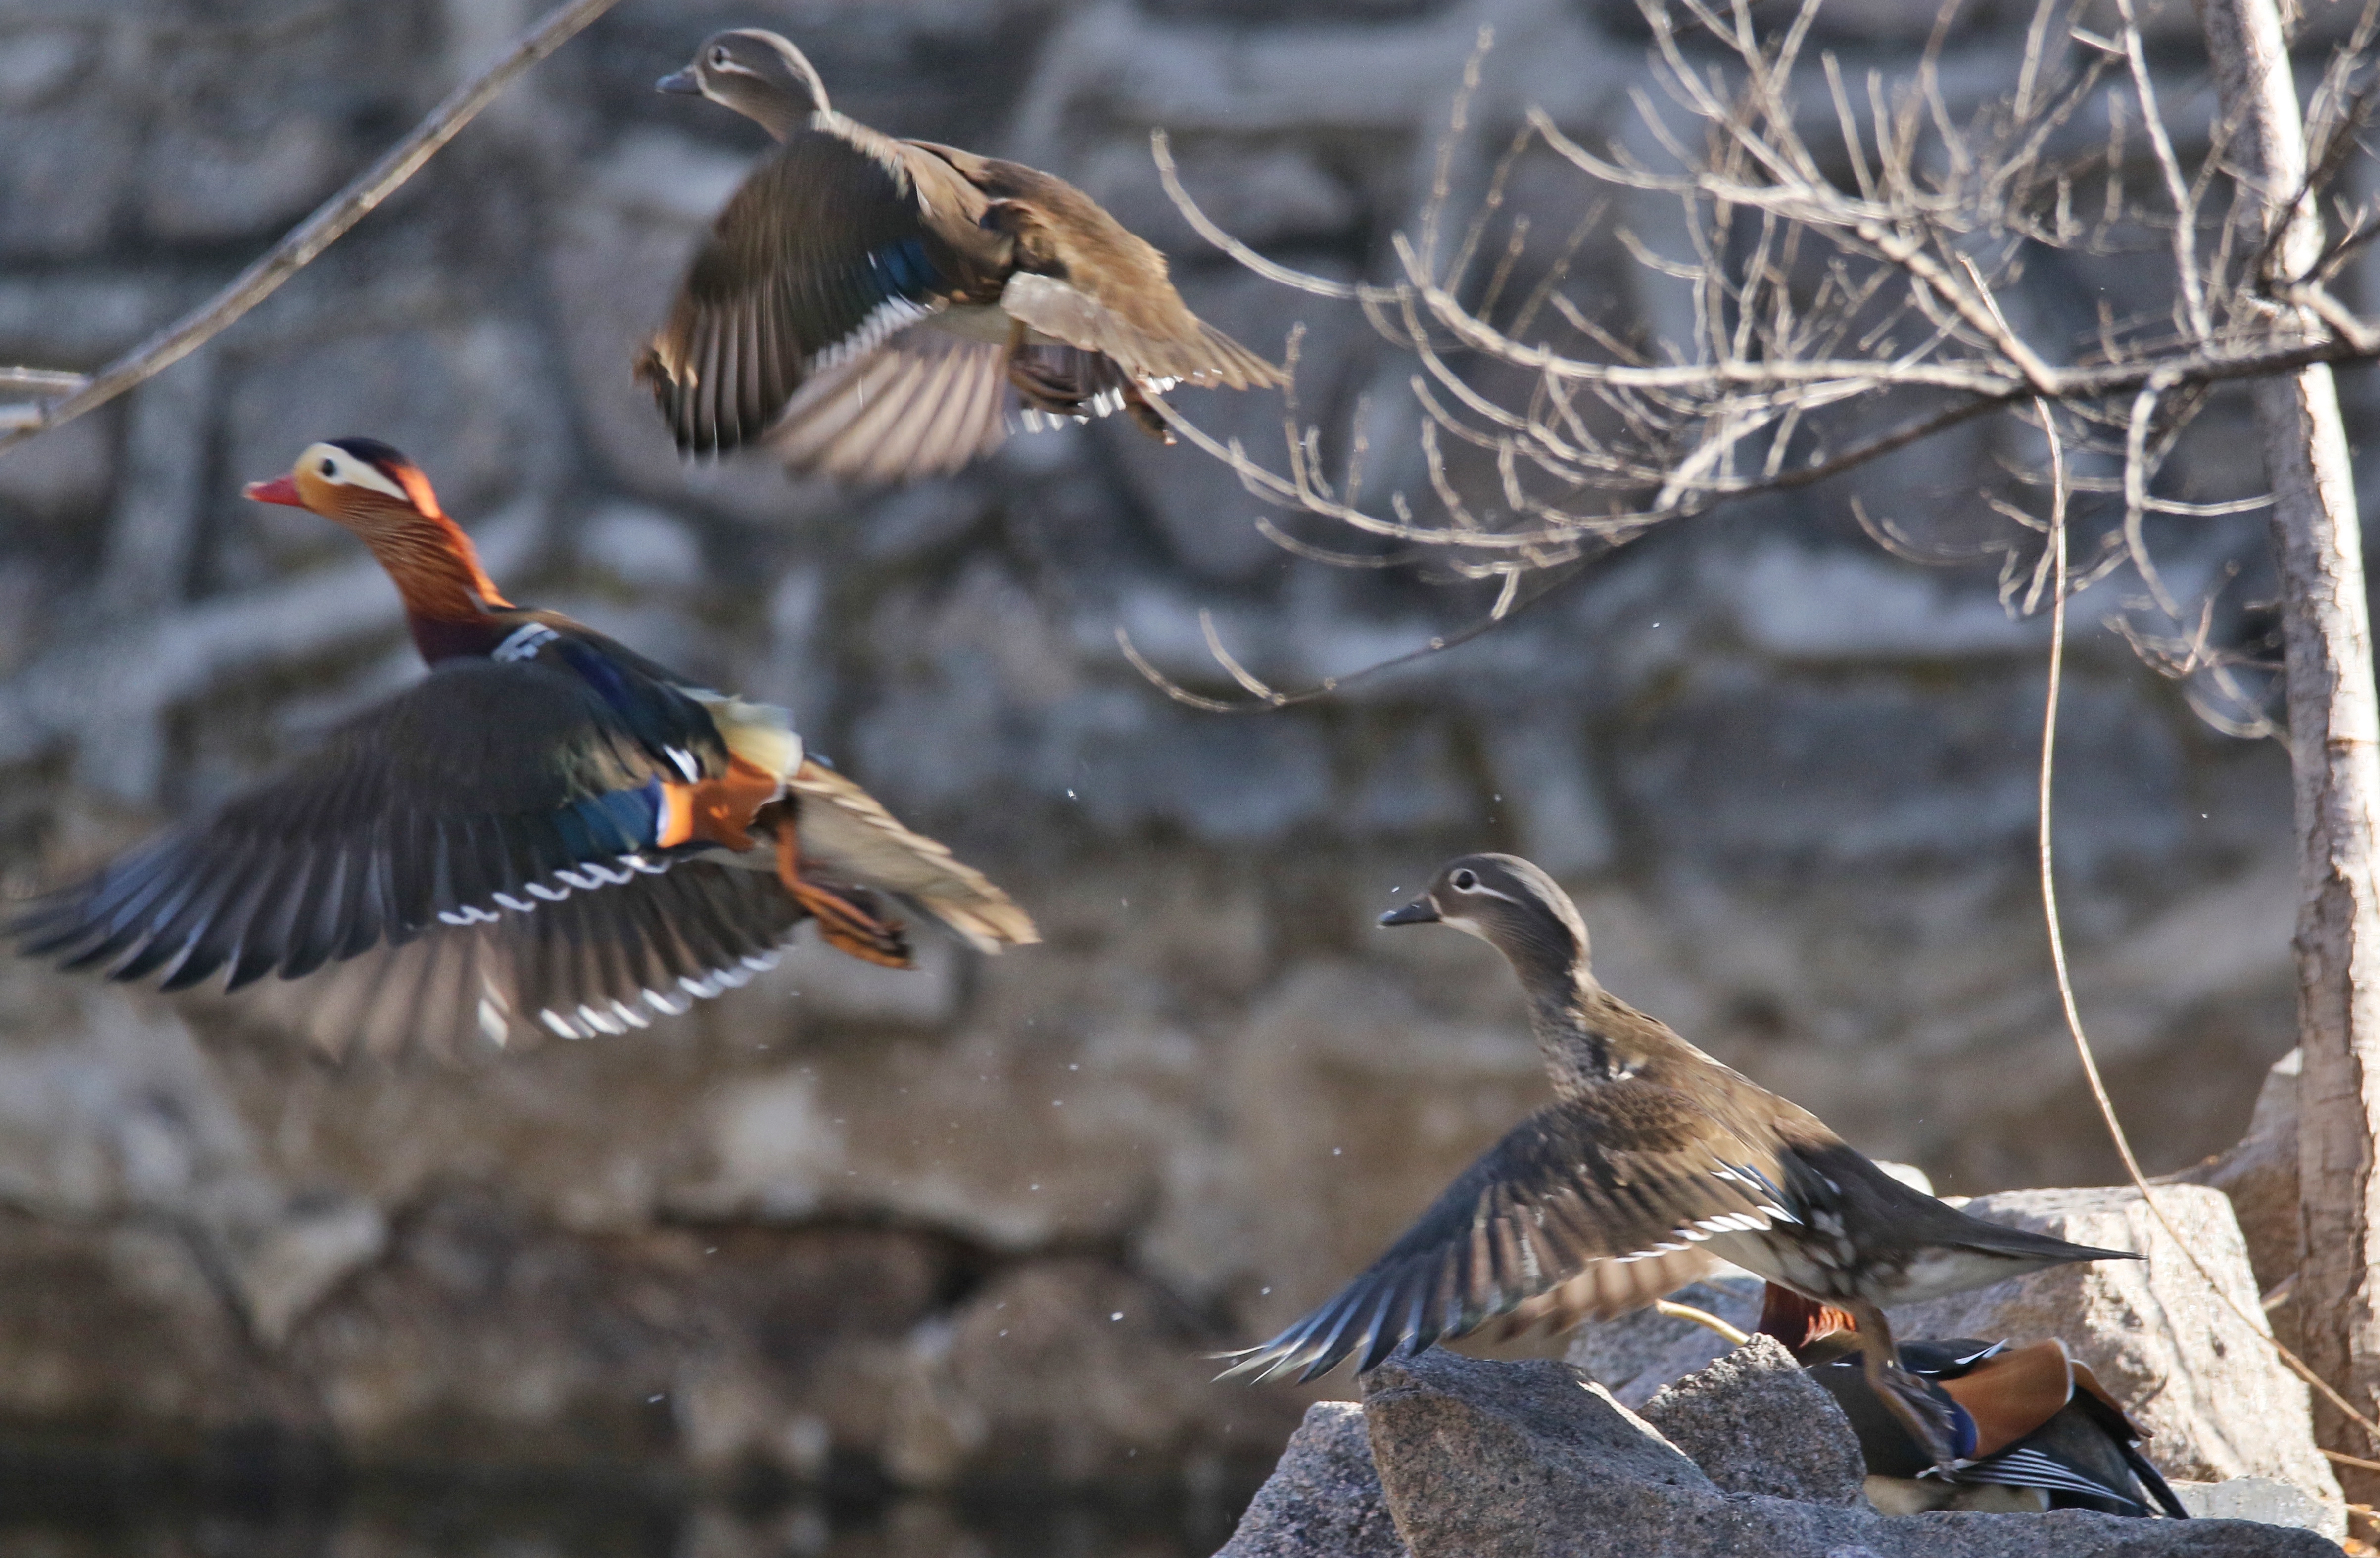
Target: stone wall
[[975, 1223]]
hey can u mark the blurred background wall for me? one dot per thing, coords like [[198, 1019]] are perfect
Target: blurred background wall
[[971, 1226]]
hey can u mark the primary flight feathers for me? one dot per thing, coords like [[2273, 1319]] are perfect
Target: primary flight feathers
[[547, 830], [881, 310]]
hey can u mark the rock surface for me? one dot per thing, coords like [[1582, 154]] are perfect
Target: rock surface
[[1755, 1423], [1640, 1352], [2257, 1498], [2203, 1381], [1484, 1459], [1324, 1497]]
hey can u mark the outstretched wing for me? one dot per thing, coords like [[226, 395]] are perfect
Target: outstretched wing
[[489, 786], [603, 961], [1558, 1200], [923, 402], [821, 256]]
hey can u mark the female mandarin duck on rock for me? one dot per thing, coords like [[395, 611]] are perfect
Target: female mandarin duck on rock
[[2034, 1429], [549, 829], [881, 310], [1653, 1162]]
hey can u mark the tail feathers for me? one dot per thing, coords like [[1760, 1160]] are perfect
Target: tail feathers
[[1996, 1239], [986, 926], [846, 831], [2152, 1484], [1237, 367]]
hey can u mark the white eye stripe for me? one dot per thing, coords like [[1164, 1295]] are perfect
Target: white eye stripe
[[334, 465]]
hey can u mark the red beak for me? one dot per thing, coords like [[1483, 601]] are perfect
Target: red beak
[[281, 488]]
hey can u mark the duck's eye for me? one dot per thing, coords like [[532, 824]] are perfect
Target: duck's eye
[[330, 467], [718, 58], [1464, 881]]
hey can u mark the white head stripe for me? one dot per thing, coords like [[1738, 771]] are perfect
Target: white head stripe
[[347, 470]]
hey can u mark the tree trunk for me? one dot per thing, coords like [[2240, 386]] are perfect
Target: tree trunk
[[2333, 726]]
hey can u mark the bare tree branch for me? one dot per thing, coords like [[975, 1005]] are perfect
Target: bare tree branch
[[1837, 317], [299, 248]]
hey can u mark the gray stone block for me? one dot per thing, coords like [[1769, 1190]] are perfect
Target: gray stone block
[[1755, 1423], [2215, 1401], [2260, 1175], [1500, 1460], [1485, 1459], [1324, 1498], [1639, 1353], [2257, 1498]]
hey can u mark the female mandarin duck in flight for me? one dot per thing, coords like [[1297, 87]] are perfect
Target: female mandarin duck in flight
[[548, 829], [880, 309]]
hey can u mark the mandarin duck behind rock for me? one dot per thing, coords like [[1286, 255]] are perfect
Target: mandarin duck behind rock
[[2034, 1429], [547, 830], [881, 310], [1652, 1161]]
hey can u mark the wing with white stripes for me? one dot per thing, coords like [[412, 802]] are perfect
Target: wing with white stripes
[[602, 960], [487, 788], [1566, 1204]]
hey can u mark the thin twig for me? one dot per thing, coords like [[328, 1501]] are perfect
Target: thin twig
[[2256, 1324], [1160, 148], [1607, 438], [318, 231]]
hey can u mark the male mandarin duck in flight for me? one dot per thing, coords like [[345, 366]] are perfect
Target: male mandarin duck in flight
[[1652, 1162], [548, 829], [881, 310]]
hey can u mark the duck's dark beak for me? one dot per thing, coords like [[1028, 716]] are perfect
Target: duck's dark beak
[[680, 82], [281, 488], [1421, 911]]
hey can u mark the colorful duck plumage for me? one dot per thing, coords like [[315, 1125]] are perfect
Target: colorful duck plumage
[[547, 829], [880, 309], [2025, 1419]]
